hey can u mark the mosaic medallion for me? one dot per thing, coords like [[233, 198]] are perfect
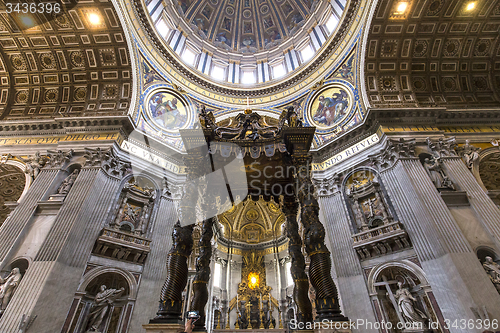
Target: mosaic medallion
[[168, 110], [330, 106]]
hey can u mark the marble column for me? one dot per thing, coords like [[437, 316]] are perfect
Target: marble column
[[57, 267], [202, 275], [350, 278], [298, 264], [452, 268], [154, 268], [482, 205], [320, 276], [21, 216], [170, 309]]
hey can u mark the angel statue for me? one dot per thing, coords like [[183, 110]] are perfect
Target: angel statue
[[207, 119], [493, 271], [34, 164]]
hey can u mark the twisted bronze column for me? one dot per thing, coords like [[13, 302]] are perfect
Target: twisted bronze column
[[301, 282], [200, 297], [170, 310], [327, 304]]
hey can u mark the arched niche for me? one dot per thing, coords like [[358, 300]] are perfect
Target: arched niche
[[133, 208], [64, 181], [483, 251], [117, 312], [14, 184], [487, 171], [386, 279], [368, 203]]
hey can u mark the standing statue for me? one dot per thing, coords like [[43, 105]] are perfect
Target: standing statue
[[436, 174], [409, 312], [67, 183], [103, 301], [7, 287], [469, 153], [493, 271]]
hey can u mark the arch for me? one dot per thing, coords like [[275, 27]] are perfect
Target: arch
[[22, 167], [404, 264], [96, 272], [485, 251], [22, 263], [476, 167]]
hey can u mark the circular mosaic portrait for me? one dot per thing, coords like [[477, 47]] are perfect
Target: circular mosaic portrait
[[330, 106], [168, 110]]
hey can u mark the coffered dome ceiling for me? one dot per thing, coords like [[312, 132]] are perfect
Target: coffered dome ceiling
[[246, 26], [76, 63], [436, 53]]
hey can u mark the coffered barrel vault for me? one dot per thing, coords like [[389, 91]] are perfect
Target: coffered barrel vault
[[435, 53], [59, 65]]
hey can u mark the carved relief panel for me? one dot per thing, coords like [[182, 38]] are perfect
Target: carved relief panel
[[124, 238], [377, 232], [367, 201]]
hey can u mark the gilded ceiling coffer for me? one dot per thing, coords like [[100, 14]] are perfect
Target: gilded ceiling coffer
[[327, 302], [298, 264]]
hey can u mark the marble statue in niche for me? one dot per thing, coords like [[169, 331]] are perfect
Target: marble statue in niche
[[136, 203], [404, 299], [68, 183], [409, 312], [493, 271], [367, 201], [7, 287], [102, 303], [433, 167]]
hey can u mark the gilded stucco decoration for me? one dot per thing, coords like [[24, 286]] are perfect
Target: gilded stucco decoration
[[253, 222]]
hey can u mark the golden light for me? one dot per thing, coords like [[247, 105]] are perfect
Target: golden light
[[94, 19], [401, 8], [471, 6], [27, 21], [253, 280]]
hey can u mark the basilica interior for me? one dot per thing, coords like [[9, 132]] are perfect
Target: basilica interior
[[260, 165]]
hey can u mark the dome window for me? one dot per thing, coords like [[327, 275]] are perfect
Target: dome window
[[248, 77], [279, 70], [331, 24], [307, 53], [189, 56], [162, 28], [218, 72]]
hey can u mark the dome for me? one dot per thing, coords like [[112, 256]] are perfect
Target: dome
[[245, 42]]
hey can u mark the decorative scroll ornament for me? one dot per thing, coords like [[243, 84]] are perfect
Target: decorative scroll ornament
[[59, 158], [469, 153], [393, 151], [115, 167], [442, 147], [94, 157], [328, 186], [250, 125]]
